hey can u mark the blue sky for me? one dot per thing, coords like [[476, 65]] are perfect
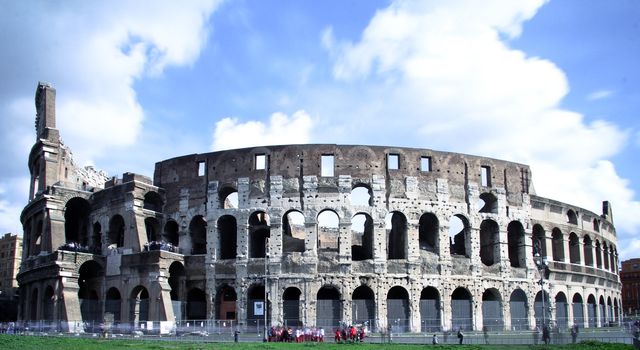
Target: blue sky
[[550, 84]]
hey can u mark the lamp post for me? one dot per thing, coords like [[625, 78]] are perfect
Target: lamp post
[[542, 264], [266, 289]]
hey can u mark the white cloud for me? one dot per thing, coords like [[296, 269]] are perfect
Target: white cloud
[[599, 95], [230, 133], [446, 76]]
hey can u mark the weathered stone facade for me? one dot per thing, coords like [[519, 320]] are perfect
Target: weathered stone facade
[[415, 239]]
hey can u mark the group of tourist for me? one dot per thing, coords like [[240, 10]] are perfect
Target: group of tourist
[[350, 334], [298, 335]]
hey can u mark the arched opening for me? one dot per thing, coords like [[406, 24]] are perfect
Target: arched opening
[[363, 307], [96, 239], [112, 305], [578, 310], [226, 303], [461, 309], [228, 197], [605, 255], [596, 225], [591, 311], [598, 254], [47, 304], [198, 234], [428, 233], [171, 233], [603, 312], [291, 307], [610, 317], [557, 245], [396, 225], [76, 221], [152, 227], [361, 237], [492, 318], [328, 232], [515, 240], [153, 201], [177, 277], [562, 311], [542, 309], [489, 242], [574, 248], [588, 251], [139, 306], [518, 305], [398, 309], [430, 310], [259, 232], [227, 237], [488, 203], [328, 307], [196, 304], [459, 237], [539, 241], [90, 281], [572, 218], [361, 195], [612, 259], [34, 305], [37, 239], [293, 232], [116, 231], [616, 310], [256, 307]]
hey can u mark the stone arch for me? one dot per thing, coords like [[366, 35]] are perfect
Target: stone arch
[[428, 232], [116, 231], [91, 274], [396, 227], [196, 304], [96, 239], [430, 310], [562, 311], [256, 306], [616, 310], [37, 239], [198, 234], [588, 250], [48, 302], [539, 241], [34, 305], [177, 278], [578, 310], [516, 242], [152, 228], [293, 232], [291, 307], [259, 232], [153, 201], [459, 236], [605, 255], [596, 225], [518, 303], [557, 245], [572, 218], [574, 248], [361, 195], [363, 306], [226, 303], [492, 317], [227, 237], [591, 311], [603, 311], [598, 254], [328, 231], [361, 237], [489, 242], [488, 203], [76, 221], [228, 197], [398, 309], [171, 233], [328, 307], [139, 304], [112, 305], [461, 309], [542, 309]]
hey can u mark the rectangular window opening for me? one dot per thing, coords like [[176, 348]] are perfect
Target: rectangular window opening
[[425, 164], [393, 161], [261, 161], [201, 168], [327, 165], [485, 176]]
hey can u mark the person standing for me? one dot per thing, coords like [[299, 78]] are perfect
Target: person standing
[[434, 340], [460, 335]]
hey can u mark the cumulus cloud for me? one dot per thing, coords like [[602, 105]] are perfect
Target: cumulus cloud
[[446, 73], [92, 52], [230, 133]]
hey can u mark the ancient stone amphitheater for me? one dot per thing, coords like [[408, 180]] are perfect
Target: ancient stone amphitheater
[[397, 238]]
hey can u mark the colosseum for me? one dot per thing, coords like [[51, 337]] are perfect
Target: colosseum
[[396, 238]]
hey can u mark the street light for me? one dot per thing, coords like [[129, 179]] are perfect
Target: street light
[[542, 264], [266, 289]]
